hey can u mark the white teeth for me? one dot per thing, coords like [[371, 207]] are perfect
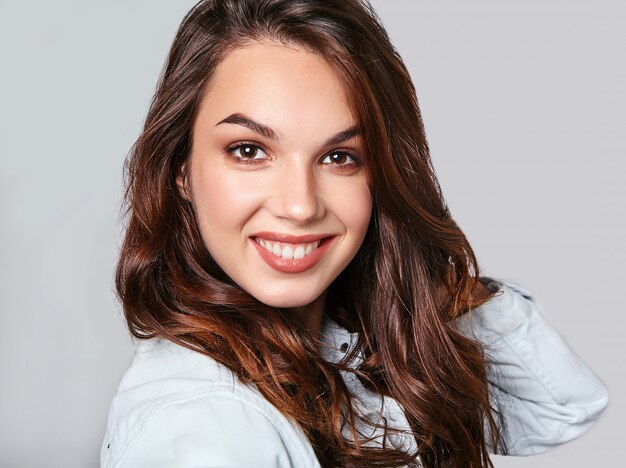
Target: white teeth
[[276, 250], [298, 253], [288, 251]]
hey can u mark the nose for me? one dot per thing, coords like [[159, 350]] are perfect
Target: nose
[[298, 198]]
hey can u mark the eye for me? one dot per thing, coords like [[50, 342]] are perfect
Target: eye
[[340, 158], [247, 152]]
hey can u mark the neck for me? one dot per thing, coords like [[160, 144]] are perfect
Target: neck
[[310, 315]]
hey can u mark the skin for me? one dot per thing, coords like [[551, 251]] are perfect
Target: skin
[[294, 183]]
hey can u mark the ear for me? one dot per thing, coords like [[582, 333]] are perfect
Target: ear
[[181, 182]]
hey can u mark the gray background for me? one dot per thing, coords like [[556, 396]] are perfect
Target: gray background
[[524, 107]]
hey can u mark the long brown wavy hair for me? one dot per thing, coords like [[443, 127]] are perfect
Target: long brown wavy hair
[[414, 274]]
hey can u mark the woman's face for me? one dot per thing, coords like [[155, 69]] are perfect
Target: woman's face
[[276, 178]]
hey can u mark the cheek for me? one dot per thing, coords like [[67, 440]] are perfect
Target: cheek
[[353, 203], [221, 202]]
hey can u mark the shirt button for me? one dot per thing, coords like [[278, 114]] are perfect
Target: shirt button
[[344, 347]]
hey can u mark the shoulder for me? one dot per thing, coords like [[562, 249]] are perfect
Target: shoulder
[[532, 368], [509, 308], [177, 407]]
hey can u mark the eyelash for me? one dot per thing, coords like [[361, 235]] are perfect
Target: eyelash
[[356, 161]]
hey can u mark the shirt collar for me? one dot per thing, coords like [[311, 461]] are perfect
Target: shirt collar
[[336, 341]]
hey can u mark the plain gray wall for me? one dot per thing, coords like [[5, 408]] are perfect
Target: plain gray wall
[[524, 105]]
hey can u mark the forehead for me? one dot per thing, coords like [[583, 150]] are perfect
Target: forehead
[[283, 85]]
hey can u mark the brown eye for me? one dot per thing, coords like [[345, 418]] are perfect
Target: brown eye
[[340, 158], [249, 151]]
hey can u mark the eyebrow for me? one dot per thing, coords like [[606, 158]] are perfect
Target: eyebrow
[[266, 131]]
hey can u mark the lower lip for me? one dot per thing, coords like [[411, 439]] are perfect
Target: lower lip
[[294, 265]]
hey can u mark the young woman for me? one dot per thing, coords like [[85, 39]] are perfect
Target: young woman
[[299, 292]]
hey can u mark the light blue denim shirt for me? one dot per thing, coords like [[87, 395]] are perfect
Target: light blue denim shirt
[[178, 408]]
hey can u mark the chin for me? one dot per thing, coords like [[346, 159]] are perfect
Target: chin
[[285, 301]]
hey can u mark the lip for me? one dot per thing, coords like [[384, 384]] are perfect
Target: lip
[[290, 238], [293, 265]]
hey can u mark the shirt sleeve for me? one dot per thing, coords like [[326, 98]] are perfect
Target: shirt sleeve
[[213, 430], [545, 392]]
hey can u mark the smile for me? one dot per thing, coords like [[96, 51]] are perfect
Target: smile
[[291, 254], [288, 251]]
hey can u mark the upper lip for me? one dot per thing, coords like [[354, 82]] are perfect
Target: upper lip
[[290, 238]]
